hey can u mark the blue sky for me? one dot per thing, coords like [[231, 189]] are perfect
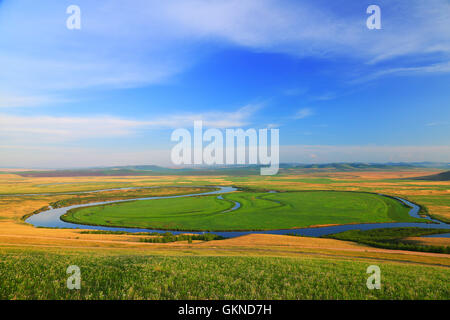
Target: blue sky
[[112, 92]]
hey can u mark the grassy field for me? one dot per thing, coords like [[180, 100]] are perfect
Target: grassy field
[[42, 275], [437, 205], [258, 211], [33, 260]]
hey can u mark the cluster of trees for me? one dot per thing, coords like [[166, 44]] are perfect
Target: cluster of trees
[[392, 238], [169, 237]]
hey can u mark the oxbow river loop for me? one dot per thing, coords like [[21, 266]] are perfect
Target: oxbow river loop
[[52, 219]]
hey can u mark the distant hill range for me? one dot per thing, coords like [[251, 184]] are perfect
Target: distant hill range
[[152, 170], [371, 166], [443, 176]]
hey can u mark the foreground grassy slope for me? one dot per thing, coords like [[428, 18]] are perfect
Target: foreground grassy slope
[[258, 211], [37, 275]]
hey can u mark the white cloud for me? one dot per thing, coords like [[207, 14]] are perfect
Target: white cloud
[[123, 45], [51, 129], [438, 123], [318, 28], [216, 119], [295, 91], [304, 113], [13, 101], [403, 71], [47, 129]]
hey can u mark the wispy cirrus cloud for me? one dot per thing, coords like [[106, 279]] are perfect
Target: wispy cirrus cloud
[[122, 45], [405, 71], [8, 100], [438, 124], [51, 129], [304, 113], [318, 28]]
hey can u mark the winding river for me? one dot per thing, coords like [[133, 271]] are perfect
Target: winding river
[[51, 219]]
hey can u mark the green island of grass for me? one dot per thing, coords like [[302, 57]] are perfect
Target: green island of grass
[[258, 211]]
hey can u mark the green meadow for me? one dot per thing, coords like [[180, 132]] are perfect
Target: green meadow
[[42, 275], [258, 211]]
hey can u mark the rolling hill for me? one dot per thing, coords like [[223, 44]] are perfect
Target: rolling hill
[[443, 176]]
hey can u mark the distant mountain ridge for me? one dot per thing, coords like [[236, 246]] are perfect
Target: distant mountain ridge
[[370, 165], [237, 170]]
